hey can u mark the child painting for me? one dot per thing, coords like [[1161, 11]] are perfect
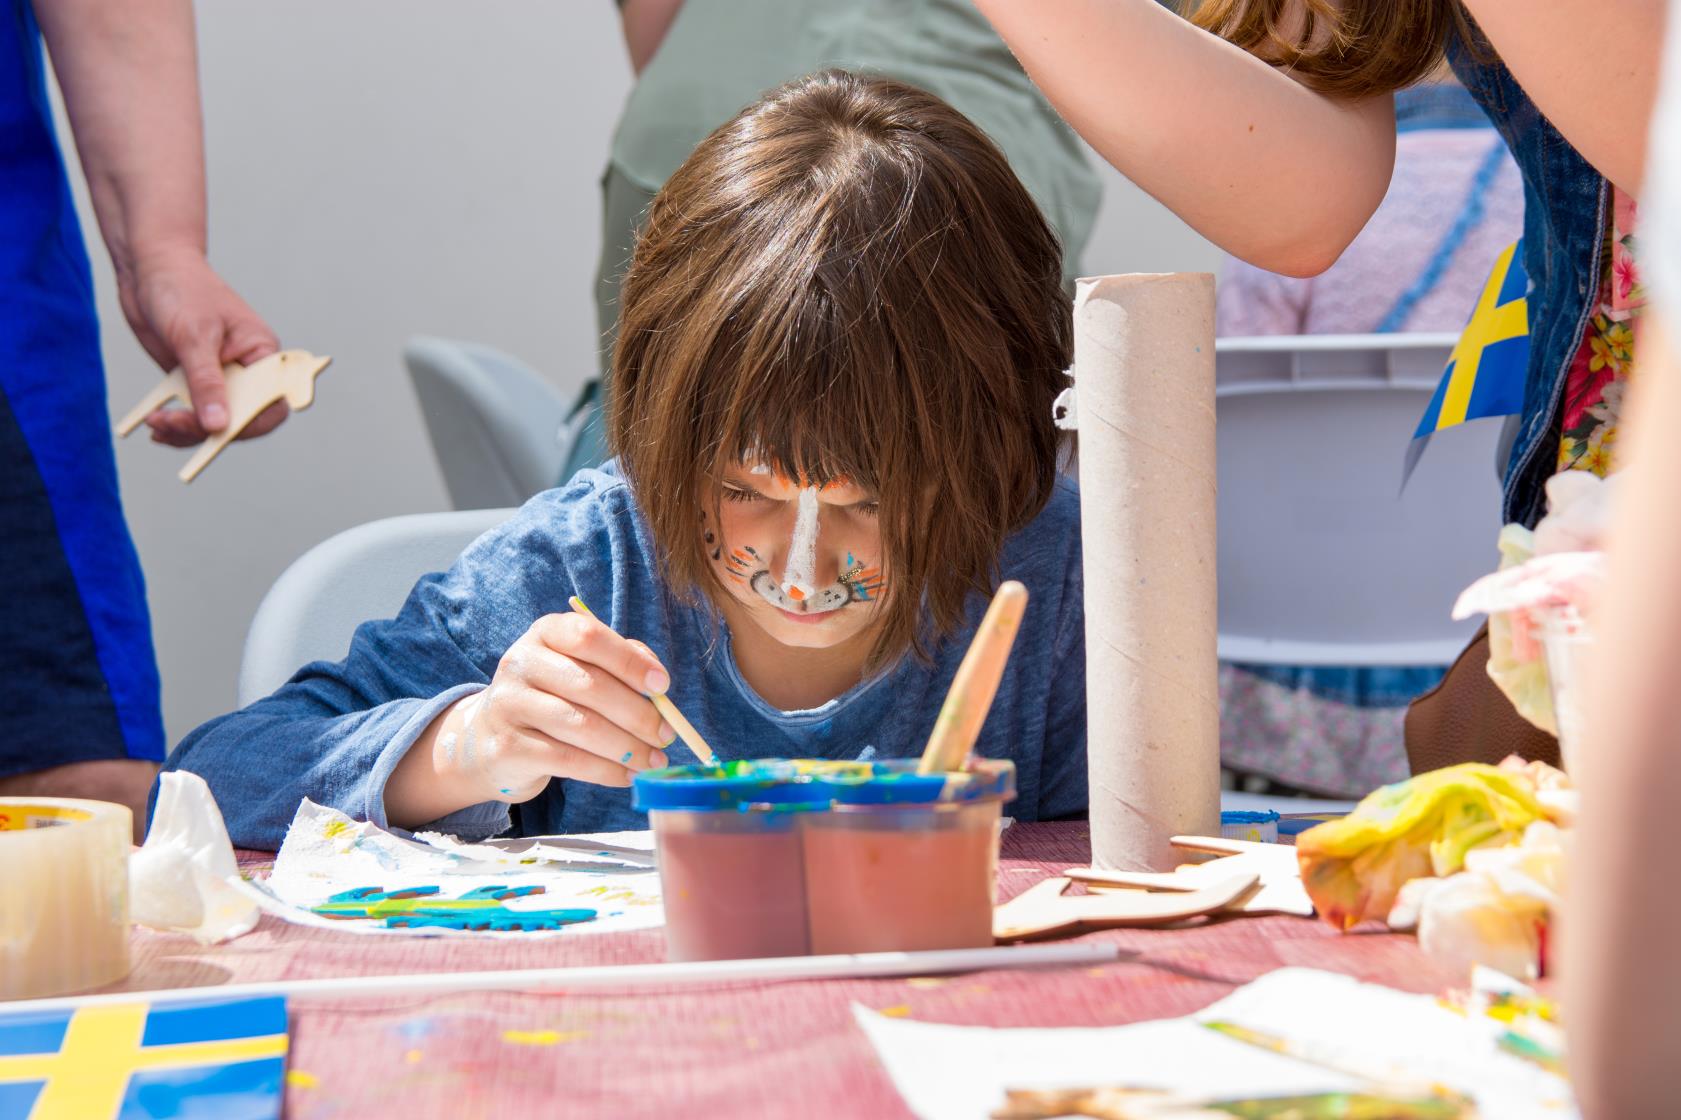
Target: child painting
[[840, 338]]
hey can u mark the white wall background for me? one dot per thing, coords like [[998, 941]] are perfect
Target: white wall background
[[379, 171]]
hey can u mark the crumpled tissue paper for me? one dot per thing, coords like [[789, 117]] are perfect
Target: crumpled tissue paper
[[184, 878]]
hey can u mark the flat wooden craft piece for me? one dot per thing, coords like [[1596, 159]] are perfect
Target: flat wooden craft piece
[[1043, 910], [1278, 889], [290, 374]]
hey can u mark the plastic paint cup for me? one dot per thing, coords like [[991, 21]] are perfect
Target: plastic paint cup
[[732, 870], [904, 862], [781, 858], [1259, 827]]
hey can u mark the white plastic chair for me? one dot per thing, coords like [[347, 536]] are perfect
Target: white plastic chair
[[1322, 559], [362, 573], [495, 424]]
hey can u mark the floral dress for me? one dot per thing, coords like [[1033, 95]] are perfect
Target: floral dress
[[1593, 390]]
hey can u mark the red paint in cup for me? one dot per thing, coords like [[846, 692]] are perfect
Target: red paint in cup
[[898, 878], [733, 884]]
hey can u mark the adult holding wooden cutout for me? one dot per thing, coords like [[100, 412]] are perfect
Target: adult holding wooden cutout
[[78, 679]]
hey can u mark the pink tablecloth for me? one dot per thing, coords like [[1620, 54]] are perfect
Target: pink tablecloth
[[738, 1050]]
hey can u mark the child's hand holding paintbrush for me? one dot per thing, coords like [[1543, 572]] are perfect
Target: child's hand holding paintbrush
[[678, 722], [570, 699]]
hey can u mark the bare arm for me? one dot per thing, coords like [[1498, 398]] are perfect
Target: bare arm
[[1591, 66], [645, 24], [129, 72], [1264, 167], [1622, 976]]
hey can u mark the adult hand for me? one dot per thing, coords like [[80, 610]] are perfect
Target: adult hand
[[568, 701], [185, 315]]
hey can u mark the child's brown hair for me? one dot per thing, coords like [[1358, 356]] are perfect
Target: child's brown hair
[[847, 280], [1345, 48]]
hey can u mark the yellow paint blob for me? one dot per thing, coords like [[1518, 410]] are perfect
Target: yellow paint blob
[[413, 1057], [298, 1079], [898, 1011], [334, 828], [542, 1038]]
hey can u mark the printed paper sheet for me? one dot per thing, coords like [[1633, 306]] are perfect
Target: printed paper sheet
[[326, 854]]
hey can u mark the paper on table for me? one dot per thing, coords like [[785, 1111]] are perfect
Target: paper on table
[[1144, 379], [948, 1073], [961, 1073], [1376, 1026], [325, 853], [633, 849]]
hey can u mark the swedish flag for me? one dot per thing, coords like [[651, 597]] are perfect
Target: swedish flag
[[222, 1058], [1486, 372]]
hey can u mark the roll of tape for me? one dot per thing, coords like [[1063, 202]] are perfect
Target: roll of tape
[[63, 895]]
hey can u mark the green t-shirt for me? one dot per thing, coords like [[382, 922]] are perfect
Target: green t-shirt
[[718, 57]]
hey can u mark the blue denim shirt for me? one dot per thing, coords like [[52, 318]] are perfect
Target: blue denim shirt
[[1565, 208], [336, 730]]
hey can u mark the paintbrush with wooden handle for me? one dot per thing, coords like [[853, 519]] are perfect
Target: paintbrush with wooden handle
[[975, 684], [685, 730]]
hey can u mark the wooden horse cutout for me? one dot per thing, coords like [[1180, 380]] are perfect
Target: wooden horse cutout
[[1278, 889], [290, 374]]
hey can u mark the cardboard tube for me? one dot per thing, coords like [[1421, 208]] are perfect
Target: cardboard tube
[[1144, 384]]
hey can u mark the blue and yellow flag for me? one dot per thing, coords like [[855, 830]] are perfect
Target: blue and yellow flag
[[1486, 372], [132, 1060]]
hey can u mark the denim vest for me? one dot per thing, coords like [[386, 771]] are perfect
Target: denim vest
[[1566, 203]]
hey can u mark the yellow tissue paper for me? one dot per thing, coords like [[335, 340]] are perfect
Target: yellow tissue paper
[[1355, 867], [1494, 912]]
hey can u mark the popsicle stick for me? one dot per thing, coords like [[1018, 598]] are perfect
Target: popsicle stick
[[1280, 890], [685, 730], [1132, 880], [976, 682], [1225, 846], [1043, 909]]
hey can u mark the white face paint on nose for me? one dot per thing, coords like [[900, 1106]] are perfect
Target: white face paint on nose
[[799, 570]]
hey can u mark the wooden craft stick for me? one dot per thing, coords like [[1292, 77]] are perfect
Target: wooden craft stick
[[1043, 910], [1280, 890], [976, 682], [685, 730], [1134, 880], [1221, 845], [598, 977]]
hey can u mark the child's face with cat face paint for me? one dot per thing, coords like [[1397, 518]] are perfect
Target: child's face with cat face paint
[[801, 559]]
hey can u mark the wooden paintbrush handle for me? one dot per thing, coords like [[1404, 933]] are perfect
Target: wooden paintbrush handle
[[976, 682], [662, 704]]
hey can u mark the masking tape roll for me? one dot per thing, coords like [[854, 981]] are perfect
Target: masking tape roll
[[63, 895]]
